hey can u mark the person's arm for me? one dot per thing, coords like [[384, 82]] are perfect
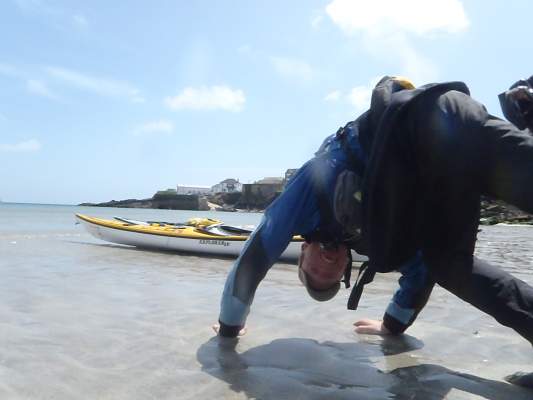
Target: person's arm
[[410, 298], [295, 211], [406, 304]]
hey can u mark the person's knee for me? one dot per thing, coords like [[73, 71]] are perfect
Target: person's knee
[[452, 273]]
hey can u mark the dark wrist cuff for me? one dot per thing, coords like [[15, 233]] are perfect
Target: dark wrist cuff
[[229, 330], [394, 326]]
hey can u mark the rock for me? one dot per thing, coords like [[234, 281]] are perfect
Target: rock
[[496, 211], [175, 202]]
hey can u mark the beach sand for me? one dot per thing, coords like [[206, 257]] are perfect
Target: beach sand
[[81, 319]]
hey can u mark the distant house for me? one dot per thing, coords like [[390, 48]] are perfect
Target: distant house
[[270, 181], [186, 189], [289, 174], [229, 185]]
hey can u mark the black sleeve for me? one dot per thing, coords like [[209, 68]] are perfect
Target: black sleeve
[[397, 327], [229, 331]]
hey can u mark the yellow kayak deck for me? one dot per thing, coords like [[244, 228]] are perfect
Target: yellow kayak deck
[[161, 229]]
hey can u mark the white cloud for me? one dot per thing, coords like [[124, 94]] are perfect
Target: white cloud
[[415, 65], [413, 16], [101, 86], [154, 128], [359, 96], [27, 146], [33, 86], [400, 57], [208, 98], [387, 25], [333, 96], [293, 68], [40, 88]]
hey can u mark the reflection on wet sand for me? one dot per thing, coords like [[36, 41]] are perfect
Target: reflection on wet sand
[[302, 368]]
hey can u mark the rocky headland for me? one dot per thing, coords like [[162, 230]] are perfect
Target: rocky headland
[[492, 211]]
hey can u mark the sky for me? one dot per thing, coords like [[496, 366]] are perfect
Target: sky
[[103, 100]]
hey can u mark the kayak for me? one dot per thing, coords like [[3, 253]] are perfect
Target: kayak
[[199, 235]]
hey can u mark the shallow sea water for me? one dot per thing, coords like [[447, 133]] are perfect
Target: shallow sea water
[[81, 318]]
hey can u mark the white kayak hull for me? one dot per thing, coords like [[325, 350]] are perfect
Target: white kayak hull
[[125, 234]]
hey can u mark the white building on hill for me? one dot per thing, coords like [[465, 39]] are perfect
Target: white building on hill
[[189, 189], [227, 186]]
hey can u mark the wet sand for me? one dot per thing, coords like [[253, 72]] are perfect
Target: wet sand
[[81, 319]]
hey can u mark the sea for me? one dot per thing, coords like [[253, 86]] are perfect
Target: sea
[[21, 218], [81, 318]]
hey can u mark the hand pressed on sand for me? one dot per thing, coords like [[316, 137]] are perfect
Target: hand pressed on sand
[[371, 327], [216, 328]]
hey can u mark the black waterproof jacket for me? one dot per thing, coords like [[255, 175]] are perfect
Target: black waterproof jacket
[[391, 194]]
